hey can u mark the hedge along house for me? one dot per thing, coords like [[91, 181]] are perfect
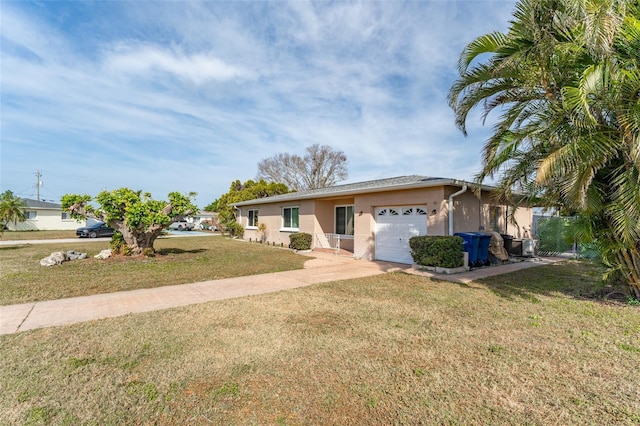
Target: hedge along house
[[375, 219]]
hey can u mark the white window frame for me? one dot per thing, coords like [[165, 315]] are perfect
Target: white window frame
[[31, 215], [252, 214], [335, 218], [290, 228]]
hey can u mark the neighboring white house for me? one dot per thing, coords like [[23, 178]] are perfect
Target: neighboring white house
[[45, 216]]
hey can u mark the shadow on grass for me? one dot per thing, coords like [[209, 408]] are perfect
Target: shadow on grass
[[575, 279], [16, 247], [172, 250]]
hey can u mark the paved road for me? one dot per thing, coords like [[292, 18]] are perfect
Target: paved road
[[172, 234]]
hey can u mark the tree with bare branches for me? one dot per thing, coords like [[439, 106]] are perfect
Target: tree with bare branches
[[321, 167]]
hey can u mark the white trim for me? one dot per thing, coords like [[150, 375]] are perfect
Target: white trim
[[289, 229]]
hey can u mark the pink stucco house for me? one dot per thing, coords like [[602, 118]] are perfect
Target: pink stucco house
[[375, 219]]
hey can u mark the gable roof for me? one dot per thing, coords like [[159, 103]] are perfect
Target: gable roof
[[380, 185], [36, 204]]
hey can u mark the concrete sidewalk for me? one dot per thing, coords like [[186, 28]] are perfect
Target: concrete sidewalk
[[319, 269], [322, 267]]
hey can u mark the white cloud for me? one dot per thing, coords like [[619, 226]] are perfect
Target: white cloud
[[27, 35], [145, 60], [199, 92]]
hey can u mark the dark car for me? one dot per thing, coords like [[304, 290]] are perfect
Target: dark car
[[99, 229]]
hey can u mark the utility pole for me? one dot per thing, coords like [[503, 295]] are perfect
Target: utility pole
[[38, 184]]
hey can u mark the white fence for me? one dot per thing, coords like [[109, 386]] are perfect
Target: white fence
[[331, 241]]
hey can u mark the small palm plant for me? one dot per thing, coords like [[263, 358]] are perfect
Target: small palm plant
[[262, 232], [12, 209]]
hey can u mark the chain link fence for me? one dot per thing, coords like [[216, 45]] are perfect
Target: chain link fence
[[557, 236]]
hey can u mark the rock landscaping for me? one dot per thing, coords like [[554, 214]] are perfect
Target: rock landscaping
[[57, 257]]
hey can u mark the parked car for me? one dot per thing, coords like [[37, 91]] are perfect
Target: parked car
[[181, 225], [98, 229], [206, 225]]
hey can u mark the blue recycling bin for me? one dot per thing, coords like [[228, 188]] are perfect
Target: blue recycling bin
[[483, 248], [471, 245]]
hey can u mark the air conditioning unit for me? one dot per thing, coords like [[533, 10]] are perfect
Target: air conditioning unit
[[515, 248], [529, 247]]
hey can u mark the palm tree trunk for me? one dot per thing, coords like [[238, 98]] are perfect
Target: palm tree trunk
[[629, 259]]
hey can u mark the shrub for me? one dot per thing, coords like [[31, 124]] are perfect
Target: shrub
[[445, 252], [119, 246], [235, 229], [149, 252], [117, 243], [262, 232], [300, 241]]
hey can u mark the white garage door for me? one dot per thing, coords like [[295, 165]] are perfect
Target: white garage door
[[394, 227]]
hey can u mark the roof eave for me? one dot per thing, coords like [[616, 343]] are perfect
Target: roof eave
[[414, 185]]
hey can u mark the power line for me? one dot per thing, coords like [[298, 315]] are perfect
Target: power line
[[22, 192]]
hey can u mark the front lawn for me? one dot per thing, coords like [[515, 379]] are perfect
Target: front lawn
[[179, 261], [390, 349], [37, 235]]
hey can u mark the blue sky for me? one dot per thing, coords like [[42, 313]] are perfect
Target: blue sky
[[189, 96]]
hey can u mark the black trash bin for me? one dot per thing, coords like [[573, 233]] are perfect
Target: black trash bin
[[507, 242]]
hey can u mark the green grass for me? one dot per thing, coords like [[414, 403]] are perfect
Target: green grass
[[389, 349], [178, 261], [36, 235]]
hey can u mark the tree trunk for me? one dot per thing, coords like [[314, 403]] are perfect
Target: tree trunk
[[139, 242], [629, 260]]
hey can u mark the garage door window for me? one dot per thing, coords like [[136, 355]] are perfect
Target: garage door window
[[344, 220], [389, 212]]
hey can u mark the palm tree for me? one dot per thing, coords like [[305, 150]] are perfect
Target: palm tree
[[12, 209], [566, 79]]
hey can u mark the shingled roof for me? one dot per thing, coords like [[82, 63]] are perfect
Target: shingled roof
[[36, 204], [380, 185]]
